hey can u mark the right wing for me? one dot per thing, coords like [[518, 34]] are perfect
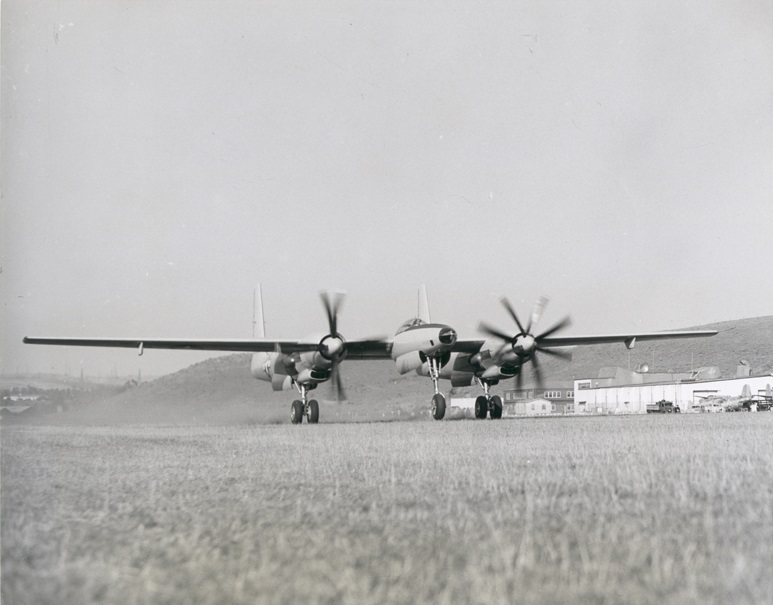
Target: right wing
[[631, 337]]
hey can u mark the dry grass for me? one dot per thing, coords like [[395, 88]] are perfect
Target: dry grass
[[593, 510]]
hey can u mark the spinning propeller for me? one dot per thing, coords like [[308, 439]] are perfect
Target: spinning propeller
[[525, 345], [333, 346]]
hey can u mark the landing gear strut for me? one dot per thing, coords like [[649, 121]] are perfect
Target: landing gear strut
[[438, 401], [487, 403], [301, 407]]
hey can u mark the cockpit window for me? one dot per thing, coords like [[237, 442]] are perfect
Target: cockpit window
[[411, 323]]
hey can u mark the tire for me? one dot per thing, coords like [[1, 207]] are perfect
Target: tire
[[438, 407], [313, 412], [296, 412], [481, 407], [496, 407]]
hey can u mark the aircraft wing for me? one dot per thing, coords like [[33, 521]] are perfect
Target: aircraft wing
[[468, 346], [627, 339], [356, 349]]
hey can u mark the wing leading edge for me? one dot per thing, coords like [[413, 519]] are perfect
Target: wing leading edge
[[627, 339], [356, 349]]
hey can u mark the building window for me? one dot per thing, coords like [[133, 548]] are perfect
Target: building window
[[570, 394], [583, 386]]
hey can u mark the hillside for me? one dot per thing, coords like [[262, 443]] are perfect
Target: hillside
[[221, 391]]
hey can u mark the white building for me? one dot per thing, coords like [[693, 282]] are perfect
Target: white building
[[594, 396]]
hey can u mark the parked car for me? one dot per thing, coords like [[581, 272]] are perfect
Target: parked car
[[712, 408]]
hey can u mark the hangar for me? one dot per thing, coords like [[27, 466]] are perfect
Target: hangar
[[618, 391]]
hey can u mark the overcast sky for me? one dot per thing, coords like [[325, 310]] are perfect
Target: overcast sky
[[160, 158]]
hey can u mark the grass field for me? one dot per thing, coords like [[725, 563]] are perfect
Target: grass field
[[647, 509]]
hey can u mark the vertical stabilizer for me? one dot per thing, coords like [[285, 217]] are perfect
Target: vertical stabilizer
[[258, 323], [424, 305]]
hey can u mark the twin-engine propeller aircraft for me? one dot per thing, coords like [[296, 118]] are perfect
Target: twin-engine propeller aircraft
[[429, 349]]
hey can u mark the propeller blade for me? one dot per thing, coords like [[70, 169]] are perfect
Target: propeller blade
[[331, 316], [338, 385], [565, 355], [332, 306], [537, 372], [506, 304], [565, 322], [494, 332], [536, 313]]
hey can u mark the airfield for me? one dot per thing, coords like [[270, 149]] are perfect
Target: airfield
[[195, 487], [640, 509]]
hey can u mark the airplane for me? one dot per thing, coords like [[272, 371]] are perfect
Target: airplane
[[430, 349]]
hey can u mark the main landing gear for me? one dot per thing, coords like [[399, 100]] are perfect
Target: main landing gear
[[488, 403], [301, 407], [438, 401]]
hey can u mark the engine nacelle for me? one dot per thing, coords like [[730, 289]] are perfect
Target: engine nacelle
[[409, 362], [496, 371], [281, 382], [310, 375], [270, 367], [261, 366]]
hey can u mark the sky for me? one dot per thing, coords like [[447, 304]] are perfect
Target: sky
[[161, 158]]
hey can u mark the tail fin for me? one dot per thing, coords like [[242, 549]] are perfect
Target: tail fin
[[746, 391], [424, 305], [258, 323]]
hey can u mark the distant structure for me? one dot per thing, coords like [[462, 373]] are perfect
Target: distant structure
[[742, 369], [620, 391], [557, 397]]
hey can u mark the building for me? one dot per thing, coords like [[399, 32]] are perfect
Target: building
[[528, 400], [618, 391]]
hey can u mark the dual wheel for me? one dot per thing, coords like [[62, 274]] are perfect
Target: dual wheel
[[484, 405], [311, 411]]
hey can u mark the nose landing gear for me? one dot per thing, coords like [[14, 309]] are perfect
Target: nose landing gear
[[438, 401]]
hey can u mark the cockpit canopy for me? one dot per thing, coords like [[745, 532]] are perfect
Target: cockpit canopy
[[411, 323]]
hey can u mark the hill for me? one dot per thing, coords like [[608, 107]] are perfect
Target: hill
[[221, 391]]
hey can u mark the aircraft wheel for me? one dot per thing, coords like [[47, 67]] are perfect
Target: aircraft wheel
[[296, 412], [438, 407], [313, 412], [481, 406], [496, 407]]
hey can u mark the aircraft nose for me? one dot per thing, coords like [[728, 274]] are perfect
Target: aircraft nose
[[447, 336]]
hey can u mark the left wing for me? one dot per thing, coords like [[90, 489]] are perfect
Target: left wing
[[356, 349]]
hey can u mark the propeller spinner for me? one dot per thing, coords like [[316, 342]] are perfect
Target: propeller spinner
[[525, 344]]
